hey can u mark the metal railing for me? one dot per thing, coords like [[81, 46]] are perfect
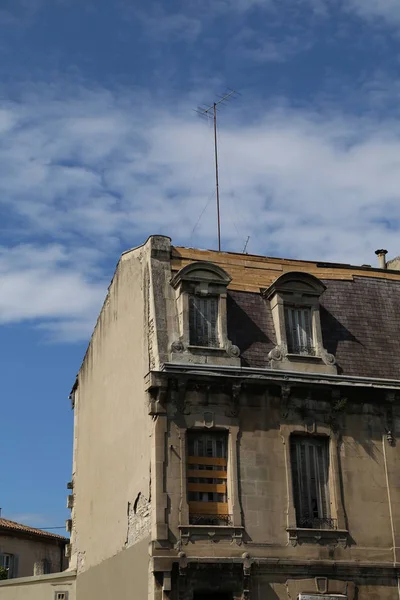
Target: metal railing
[[215, 520], [317, 523]]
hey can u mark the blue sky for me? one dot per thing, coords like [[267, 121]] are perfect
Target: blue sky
[[100, 147]]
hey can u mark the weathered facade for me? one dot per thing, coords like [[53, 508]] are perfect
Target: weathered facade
[[235, 431], [26, 551]]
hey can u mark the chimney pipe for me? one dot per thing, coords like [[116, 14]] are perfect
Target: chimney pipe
[[381, 254]]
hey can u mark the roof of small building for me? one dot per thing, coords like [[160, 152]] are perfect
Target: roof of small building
[[19, 528]]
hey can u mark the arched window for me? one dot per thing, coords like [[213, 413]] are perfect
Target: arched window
[[294, 300], [201, 291]]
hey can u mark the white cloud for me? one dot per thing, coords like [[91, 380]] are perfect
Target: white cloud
[[389, 10], [48, 285], [86, 174], [370, 9]]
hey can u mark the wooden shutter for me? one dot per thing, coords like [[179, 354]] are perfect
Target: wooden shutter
[[207, 475], [203, 321], [15, 565]]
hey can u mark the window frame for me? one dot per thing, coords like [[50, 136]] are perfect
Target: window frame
[[303, 467], [293, 317], [193, 298], [199, 422], [205, 280], [307, 535], [10, 569], [217, 464], [298, 290]]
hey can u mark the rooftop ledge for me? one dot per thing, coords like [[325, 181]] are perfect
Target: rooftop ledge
[[250, 373]]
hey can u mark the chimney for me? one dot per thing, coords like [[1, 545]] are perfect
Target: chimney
[[381, 254]]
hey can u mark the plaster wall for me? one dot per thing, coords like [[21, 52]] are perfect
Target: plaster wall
[[112, 444], [30, 551], [38, 588]]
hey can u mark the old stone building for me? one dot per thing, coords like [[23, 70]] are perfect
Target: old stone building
[[235, 431]]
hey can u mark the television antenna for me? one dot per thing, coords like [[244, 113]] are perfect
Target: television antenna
[[209, 111]]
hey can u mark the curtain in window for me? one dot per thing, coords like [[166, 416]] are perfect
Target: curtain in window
[[298, 322]]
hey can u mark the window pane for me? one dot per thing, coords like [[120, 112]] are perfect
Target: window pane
[[310, 474], [203, 321], [298, 325]]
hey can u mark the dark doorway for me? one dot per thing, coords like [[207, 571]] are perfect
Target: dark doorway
[[212, 596]]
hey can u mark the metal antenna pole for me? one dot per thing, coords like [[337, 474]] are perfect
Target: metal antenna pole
[[216, 176], [207, 111]]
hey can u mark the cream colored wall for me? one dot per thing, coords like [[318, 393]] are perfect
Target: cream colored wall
[[38, 588], [31, 551], [112, 449], [123, 577], [264, 479]]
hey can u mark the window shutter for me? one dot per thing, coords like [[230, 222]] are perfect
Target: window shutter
[[14, 565], [322, 460], [207, 478]]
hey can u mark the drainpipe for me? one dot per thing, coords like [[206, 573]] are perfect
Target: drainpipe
[[390, 512], [381, 254]]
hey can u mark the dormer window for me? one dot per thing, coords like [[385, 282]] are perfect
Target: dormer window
[[294, 300], [201, 335], [299, 331]]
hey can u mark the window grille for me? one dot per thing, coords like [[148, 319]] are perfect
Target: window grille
[[207, 477], [61, 596], [299, 332], [203, 321], [310, 471]]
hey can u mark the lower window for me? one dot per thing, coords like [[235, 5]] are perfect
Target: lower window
[[7, 562], [310, 473], [207, 476]]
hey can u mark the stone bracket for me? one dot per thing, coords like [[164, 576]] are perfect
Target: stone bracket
[[156, 400], [335, 537], [247, 562], [212, 533]]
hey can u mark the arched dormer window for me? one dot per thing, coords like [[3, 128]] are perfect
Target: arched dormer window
[[201, 291], [294, 299]]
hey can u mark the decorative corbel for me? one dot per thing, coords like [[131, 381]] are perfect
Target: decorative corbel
[[390, 396], [157, 397], [178, 393], [236, 390], [247, 562], [285, 399], [183, 563]]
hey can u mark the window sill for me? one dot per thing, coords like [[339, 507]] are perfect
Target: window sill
[[205, 349], [299, 535], [214, 533], [304, 357]]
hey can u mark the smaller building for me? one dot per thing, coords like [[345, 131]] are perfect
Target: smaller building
[[26, 551]]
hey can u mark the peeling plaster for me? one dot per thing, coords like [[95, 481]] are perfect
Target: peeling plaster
[[139, 516]]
